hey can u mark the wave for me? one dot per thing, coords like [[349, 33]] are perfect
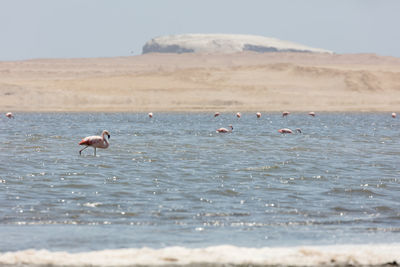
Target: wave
[[332, 255]]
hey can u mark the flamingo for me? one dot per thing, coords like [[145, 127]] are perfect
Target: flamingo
[[287, 130], [9, 115], [258, 114], [285, 113], [150, 115], [238, 115], [216, 114], [393, 115], [224, 130], [312, 113], [95, 141]]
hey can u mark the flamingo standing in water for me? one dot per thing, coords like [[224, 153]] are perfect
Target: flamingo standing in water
[[287, 130], [258, 114], [312, 113], [238, 115], [216, 114], [393, 115], [224, 130], [150, 115], [285, 113], [9, 115], [95, 141]]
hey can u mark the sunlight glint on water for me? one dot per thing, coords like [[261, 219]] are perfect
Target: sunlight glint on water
[[172, 180]]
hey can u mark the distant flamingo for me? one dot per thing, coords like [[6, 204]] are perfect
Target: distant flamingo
[[238, 115], [224, 130], [312, 113], [95, 141], [216, 114], [150, 115], [285, 113], [9, 115], [393, 115], [258, 114], [287, 130]]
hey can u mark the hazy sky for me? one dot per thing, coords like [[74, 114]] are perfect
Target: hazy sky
[[99, 28]]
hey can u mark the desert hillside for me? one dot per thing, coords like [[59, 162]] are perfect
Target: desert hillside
[[223, 44], [203, 82]]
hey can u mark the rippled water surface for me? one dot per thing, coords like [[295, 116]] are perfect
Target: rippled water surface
[[172, 180]]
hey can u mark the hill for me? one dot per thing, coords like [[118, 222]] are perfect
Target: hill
[[223, 43]]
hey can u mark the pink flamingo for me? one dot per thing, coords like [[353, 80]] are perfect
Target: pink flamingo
[[258, 114], [216, 114], [9, 115], [312, 113], [224, 130], [393, 115], [150, 115], [95, 141], [287, 130], [238, 115], [285, 113]]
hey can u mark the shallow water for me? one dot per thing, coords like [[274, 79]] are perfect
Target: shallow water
[[173, 181]]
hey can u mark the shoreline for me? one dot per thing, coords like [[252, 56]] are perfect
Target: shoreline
[[245, 82], [220, 255], [224, 113]]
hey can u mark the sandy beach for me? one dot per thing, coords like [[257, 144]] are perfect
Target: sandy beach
[[243, 82]]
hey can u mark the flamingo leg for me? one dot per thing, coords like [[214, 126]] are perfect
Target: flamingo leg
[[80, 151], [95, 152]]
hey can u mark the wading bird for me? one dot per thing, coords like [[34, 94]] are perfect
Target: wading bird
[[224, 130], [285, 113], [287, 130], [216, 114], [258, 114], [238, 115], [95, 141], [9, 115], [312, 113], [393, 115], [150, 115]]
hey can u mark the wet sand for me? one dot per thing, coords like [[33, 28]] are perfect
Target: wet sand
[[243, 82]]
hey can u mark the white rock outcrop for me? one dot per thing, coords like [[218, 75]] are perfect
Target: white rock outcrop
[[223, 43]]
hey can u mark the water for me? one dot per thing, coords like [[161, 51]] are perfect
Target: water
[[173, 181]]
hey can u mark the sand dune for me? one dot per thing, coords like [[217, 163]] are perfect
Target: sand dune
[[203, 82]]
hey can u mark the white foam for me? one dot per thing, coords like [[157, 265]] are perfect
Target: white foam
[[92, 205], [218, 255]]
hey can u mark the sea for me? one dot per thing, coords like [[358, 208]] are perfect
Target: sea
[[170, 190]]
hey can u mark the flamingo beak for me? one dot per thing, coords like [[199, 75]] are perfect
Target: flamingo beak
[[109, 136]]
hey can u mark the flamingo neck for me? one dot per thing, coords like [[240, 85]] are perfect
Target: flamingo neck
[[103, 135]]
